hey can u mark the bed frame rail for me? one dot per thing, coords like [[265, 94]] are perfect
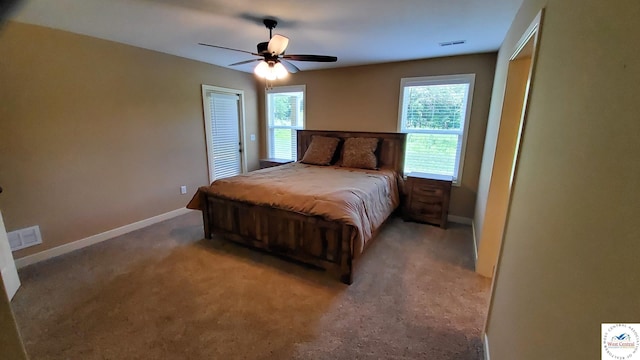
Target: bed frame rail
[[306, 238]]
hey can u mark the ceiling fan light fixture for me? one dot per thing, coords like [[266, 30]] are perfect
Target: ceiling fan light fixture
[[262, 69], [270, 70], [277, 44], [280, 71], [271, 75]]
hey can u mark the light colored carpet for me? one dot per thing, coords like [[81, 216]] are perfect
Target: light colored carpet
[[164, 292]]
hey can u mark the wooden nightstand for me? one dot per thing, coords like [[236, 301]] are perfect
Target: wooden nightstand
[[427, 199], [270, 162]]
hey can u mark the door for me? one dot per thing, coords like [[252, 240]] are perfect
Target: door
[[223, 124], [7, 266]]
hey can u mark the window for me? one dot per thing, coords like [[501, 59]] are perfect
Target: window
[[285, 115], [434, 112]]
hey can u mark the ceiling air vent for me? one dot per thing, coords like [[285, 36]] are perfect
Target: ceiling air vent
[[449, 43]]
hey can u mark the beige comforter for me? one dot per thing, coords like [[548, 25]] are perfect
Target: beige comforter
[[361, 198]]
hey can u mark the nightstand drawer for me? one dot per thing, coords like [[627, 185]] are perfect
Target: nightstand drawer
[[423, 190], [433, 208]]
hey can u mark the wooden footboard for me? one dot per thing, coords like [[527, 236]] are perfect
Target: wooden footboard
[[310, 239]]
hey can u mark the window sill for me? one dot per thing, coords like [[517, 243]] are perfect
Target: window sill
[[454, 182]]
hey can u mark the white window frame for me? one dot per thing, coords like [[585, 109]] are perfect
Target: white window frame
[[441, 80], [284, 89]]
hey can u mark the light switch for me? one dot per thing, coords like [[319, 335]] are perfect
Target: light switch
[[253, 137]]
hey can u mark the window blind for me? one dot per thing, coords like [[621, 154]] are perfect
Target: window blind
[[225, 135]]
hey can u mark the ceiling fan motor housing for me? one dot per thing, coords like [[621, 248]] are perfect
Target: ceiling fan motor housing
[[263, 48]]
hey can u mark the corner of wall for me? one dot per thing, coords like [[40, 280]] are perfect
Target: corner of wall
[[475, 243]]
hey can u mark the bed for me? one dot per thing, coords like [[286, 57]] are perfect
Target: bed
[[325, 216]]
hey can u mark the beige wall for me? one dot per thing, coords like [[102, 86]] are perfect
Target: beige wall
[[95, 135], [570, 254], [366, 98]]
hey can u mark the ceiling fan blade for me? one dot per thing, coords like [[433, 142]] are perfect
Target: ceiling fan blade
[[245, 62], [226, 48], [289, 66], [278, 44], [317, 58]]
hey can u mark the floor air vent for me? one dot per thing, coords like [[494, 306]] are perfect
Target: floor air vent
[[24, 238]]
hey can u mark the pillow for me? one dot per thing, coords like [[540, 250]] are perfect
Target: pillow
[[360, 153], [321, 150]]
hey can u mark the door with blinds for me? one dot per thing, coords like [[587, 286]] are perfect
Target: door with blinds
[[223, 124]]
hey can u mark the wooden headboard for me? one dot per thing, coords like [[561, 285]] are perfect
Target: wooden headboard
[[390, 150]]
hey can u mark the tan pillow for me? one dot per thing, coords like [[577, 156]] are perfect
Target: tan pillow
[[360, 153], [321, 150]]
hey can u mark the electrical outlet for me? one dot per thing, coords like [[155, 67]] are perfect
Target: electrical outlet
[[183, 189]]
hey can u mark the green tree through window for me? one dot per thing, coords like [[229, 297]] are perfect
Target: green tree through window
[[435, 107]]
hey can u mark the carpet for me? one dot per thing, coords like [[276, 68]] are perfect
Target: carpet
[[164, 292]]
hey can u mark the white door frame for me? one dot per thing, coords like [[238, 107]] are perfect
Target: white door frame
[[8, 270], [531, 34], [207, 124]]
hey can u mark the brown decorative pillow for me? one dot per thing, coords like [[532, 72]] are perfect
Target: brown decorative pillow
[[321, 150], [360, 153]]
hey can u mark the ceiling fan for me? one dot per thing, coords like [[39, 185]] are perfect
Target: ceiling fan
[[274, 63]]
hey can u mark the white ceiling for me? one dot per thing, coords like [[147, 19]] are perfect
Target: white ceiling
[[356, 31]]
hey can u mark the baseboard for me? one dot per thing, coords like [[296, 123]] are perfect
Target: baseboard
[[459, 219], [486, 347], [475, 242], [94, 239]]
